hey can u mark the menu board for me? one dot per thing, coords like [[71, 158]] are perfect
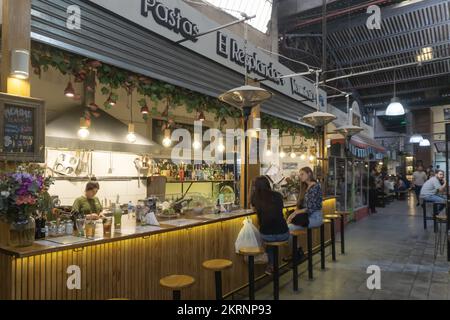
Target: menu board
[[19, 129]]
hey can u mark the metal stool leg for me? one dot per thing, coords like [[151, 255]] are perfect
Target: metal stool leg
[[424, 212], [435, 213], [251, 278], [310, 255], [176, 295], [276, 275], [333, 241], [294, 263], [342, 234], [218, 278], [322, 246]]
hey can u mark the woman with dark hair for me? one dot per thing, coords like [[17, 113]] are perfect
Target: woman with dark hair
[[269, 209], [88, 205], [309, 204]]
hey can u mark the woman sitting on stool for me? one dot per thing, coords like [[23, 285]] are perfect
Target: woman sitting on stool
[[309, 204], [269, 209]]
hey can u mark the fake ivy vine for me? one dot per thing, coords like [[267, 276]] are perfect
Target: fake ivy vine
[[111, 78]]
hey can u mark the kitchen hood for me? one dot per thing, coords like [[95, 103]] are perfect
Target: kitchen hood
[[106, 134]]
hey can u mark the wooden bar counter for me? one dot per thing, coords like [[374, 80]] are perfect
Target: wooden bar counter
[[130, 265]]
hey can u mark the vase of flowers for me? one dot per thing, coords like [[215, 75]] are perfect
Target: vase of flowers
[[21, 193]]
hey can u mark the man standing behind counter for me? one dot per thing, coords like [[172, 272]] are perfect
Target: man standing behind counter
[[88, 205]]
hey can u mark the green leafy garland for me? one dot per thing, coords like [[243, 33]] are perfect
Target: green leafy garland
[[112, 78]]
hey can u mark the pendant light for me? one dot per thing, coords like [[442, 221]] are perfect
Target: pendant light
[[416, 138], [167, 141], [425, 143], [131, 136], [83, 132], [349, 129], [20, 61], [69, 91], [201, 116], [197, 143], [282, 154], [221, 146], [395, 108]]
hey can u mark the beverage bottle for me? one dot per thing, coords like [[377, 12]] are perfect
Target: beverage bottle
[[117, 213]]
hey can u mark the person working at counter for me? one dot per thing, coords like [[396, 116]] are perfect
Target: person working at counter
[[88, 205]]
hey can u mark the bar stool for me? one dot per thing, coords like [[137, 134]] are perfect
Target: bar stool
[[333, 218], [440, 239], [295, 234], [310, 251], [218, 265], [176, 283], [343, 215], [251, 253], [276, 271]]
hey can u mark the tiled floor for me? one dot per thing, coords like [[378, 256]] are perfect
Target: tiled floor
[[394, 240]]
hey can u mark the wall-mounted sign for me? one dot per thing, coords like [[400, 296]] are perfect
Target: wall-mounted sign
[[175, 20], [22, 129]]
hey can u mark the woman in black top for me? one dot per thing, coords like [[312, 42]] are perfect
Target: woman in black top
[[269, 209]]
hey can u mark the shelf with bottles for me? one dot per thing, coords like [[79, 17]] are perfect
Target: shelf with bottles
[[181, 173]]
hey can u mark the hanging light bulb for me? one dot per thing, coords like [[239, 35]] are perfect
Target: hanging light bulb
[[282, 154], [303, 157], [144, 110], [312, 158], [83, 132], [268, 153], [197, 144], [293, 155], [221, 146], [131, 136], [69, 92], [167, 141]]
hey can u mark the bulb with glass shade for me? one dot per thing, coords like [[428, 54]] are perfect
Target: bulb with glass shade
[[167, 141], [221, 146], [303, 157], [196, 144], [131, 136], [293, 155], [282, 154], [312, 158], [83, 132]]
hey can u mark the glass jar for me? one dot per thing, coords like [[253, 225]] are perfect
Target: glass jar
[[69, 228], [52, 229], [21, 233]]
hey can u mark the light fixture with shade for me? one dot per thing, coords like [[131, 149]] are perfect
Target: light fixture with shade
[[20, 64], [144, 110], [425, 143], [83, 132], [395, 108], [69, 91], [201, 116], [349, 129], [167, 141], [257, 124], [303, 157], [416, 138], [311, 158], [282, 154], [293, 155]]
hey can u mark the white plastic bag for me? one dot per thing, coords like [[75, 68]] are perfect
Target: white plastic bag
[[150, 219], [249, 236]]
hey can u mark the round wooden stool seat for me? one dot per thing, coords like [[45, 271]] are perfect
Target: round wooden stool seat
[[441, 218], [251, 251], [297, 233], [342, 213], [332, 216], [217, 264], [277, 244], [177, 282], [326, 221]]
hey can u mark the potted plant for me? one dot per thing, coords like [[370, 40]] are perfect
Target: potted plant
[[21, 192]]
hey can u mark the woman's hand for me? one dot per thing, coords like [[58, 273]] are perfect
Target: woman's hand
[[291, 217]]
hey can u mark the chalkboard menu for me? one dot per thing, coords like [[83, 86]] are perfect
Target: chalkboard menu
[[22, 129], [18, 129]]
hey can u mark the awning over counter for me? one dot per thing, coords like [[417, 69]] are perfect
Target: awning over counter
[[362, 146]]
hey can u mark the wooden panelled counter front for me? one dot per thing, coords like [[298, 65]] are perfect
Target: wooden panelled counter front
[[130, 266]]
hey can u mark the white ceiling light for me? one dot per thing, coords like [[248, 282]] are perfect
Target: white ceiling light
[[416, 138], [426, 54], [425, 143], [20, 64], [395, 108]]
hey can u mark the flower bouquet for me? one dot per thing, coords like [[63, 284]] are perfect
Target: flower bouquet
[[21, 194]]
